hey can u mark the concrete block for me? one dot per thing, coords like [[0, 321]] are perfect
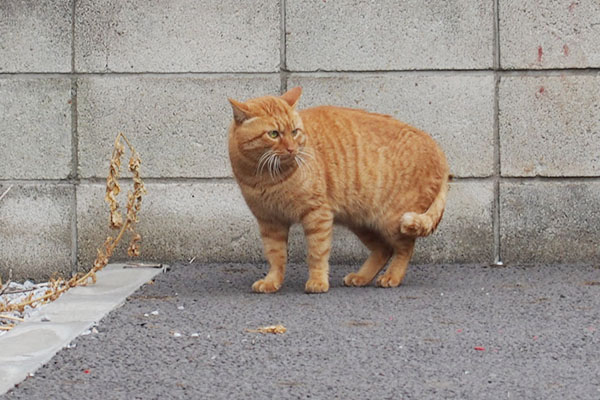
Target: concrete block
[[178, 125], [211, 222], [457, 110], [35, 36], [178, 221], [352, 35], [549, 222], [549, 125], [537, 34], [35, 231], [35, 128], [177, 36], [465, 234]]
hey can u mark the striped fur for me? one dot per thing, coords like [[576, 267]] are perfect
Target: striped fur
[[383, 179]]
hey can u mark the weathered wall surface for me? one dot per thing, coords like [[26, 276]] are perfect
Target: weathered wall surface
[[510, 89]]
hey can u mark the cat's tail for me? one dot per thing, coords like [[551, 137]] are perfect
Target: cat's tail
[[413, 224]]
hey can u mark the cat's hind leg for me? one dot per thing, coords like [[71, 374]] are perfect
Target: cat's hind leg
[[380, 254], [274, 237], [403, 250]]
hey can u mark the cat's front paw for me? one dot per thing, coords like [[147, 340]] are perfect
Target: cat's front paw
[[354, 279], [266, 286], [387, 281], [316, 286]]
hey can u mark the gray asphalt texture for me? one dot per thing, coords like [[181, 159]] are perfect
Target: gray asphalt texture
[[450, 331]]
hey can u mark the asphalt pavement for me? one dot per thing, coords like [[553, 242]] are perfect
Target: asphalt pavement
[[449, 332]]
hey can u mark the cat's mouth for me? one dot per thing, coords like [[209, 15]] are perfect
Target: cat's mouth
[[288, 156], [287, 160]]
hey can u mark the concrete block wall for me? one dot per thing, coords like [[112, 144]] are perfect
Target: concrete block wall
[[511, 90]]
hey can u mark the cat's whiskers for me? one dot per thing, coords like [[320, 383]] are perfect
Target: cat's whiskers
[[273, 165], [277, 165], [304, 165], [270, 164], [299, 166], [263, 160], [272, 161]]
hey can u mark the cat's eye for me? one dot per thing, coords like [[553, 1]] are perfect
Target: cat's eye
[[273, 134], [295, 132]]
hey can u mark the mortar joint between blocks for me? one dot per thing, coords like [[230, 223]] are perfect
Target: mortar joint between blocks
[[283, 73], [496, 218]]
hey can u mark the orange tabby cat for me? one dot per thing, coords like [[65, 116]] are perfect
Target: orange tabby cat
[[383, 179]]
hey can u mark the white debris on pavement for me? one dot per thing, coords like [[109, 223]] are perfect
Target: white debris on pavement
[[155, 312], [19, 292]]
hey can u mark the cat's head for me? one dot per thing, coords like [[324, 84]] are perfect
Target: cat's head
[[267, 133]]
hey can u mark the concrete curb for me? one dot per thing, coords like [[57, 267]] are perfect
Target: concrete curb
[[34, 342]]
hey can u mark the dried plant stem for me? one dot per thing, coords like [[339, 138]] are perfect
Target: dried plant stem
[[6, 327], [121, 135], [59, 286], [277, 329], [42, 298], [23, 290], [5, 288], [11, 318], [109, 250]]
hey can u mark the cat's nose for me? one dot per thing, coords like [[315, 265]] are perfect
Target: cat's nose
[[291, 149]]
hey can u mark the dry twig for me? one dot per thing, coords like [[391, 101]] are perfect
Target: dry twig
[[5, 288], [11, 318], [276, 329], [18, 291], [57, 287]]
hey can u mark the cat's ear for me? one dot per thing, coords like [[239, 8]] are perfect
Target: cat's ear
[[292, 96], [240, 111]]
